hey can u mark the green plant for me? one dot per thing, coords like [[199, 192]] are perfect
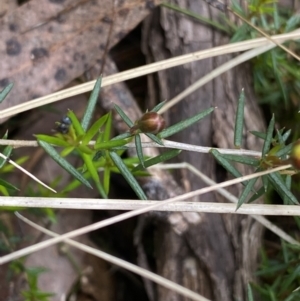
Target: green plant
[[105, 153]]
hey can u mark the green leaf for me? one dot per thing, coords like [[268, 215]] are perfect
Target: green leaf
[[128, 176], [279, 185], [226, 164], [154, 138], [258, 134], [286, 135], [110, 144], [122, 136], [158, 107], [265, 182], [288, 184], [85, 149], [106, 180], [5, 91], [63, 163], [158, 159], [125, 118], [249, 293], [94, 173], [53, 140], [239, 121], [76, 124], [257, 195], [248, 188], [285, 150], [107, 131], [269, 135], [139, 149], [7, 185], [242, 159], [68, 150], [89, 111], [184, 124], [6, 152], [94, 129]]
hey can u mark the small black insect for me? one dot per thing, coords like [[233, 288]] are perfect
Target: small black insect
[[64, 125]]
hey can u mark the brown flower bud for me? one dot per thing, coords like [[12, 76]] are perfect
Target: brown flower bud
[[150, 122], [295, 154]]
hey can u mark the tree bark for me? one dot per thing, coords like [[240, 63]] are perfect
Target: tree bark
[[212, 254]]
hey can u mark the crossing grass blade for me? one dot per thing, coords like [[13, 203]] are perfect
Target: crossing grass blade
[[125, 118], [5, 92], [110, 144], [63, 163], [158, 159], [139, 149], [239, 121], [128, 176], [269, 136], [183, 124], [89, 111]]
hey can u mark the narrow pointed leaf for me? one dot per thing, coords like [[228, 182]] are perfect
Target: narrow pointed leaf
[[76, 124], [5, 135], [285, 150], [269, 135], [85, 149], [242, 159], [94, 173], [128, 176], [89, 111], [5, 92], [158, 159], [279, 185], [226, 164], [286, 135], [139, 149], [6, 152], [122, 136], [239, 121], [249, 293], [158, 107], [184, 124], [258, 134], [63, 163], [94, 129], [106, 180], [110, 144], [7, 185], [68, 150], [53, 140], [265, 181], [288, 184], [248, 188], [154, 138], [125, 118], [279, 137], [107, 131], [260, 192]]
